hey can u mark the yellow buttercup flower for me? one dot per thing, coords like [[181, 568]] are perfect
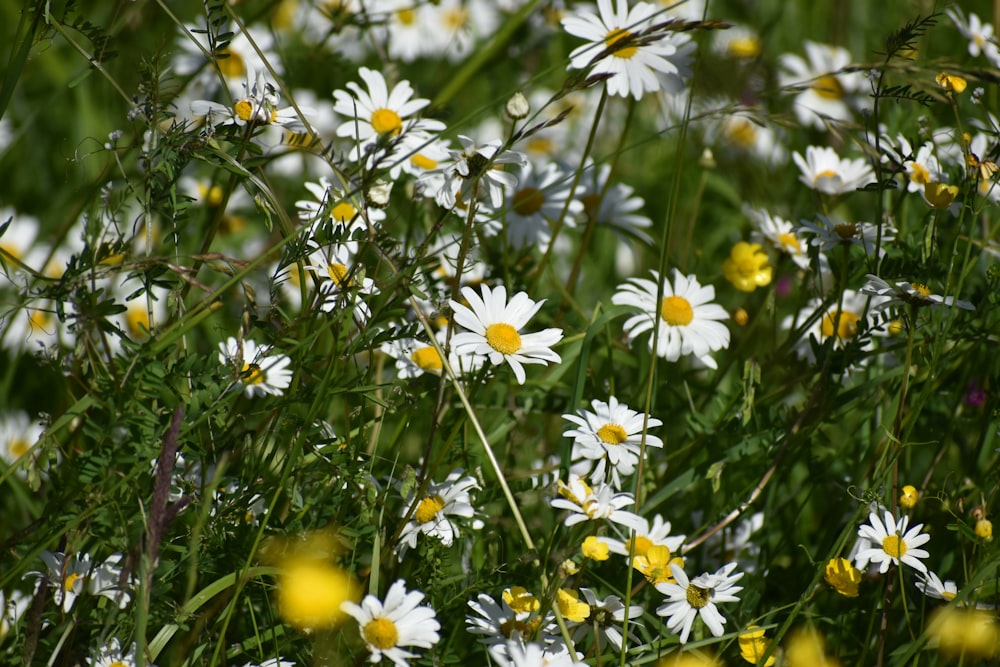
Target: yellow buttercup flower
[[570, 606], [843, 577], [753, 646], [595, 549], [908, 499], [940, 195], [310, 593], [951, 82], [747, 267]]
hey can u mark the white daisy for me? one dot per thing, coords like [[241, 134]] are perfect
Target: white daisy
[[537, 202], [399, 621], [67, 575], [647, 536], [611, 436], [343, 281], [902, 293], [495, 329], [980, 35], [687, 599], [613, 204], [824, 91], [18, 435], [824, 171], [113, 655], [931, 585], [415, 357], [780, 234], [431, 514], [332, 203], [482, 164], [747, 133], [497, 622], [258, 371], [893, 543], [534, 654], [106, 580], [594, 504], [688, 322], [851, 320], [831, 232], [622, 46], [257, 106], [607, 616]]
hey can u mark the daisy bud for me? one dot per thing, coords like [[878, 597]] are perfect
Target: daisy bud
[[908, 499], [517, 106], [741, 317], [707, 159], [984, 530]]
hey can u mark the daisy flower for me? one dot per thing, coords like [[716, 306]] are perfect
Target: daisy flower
[[831, 232], [494, 329], [113, 655], [538, 201], [745, 133], [931, 585], [497, 622], [780, 234], [853, 319], [688, 322], [259, 372], [607, 616], [620, 46], [415, 357], [475, 163], [613, 204], [647, 536], [902, 293], [378, 113], [612, 436], [827, 92], [399, 621], [333, 203], [593, 504], [342, 279], [433, 512], [18, 435], [534, 654], [980, 35], [824, 171], [257, 106], [687, 599], [893, 543]]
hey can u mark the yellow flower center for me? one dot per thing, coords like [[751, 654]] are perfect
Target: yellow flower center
[[542, 145], [894, 546], [39, 320], [18, 448], [920, 174], [423, 162], [528, 201], [244, 109], [503, 338], [69, 581], [744, 47], [846, 326], [427, 358], [698, 597], [846, 230], [456, 19], [742, 133], [829, 88], [338, 274], [137, 321], [612, 434], [252, 374], [7, 249], [922, 290], [676, 311], [381, 633], [618, 35], [523, 628], [211, 195], [230, 64], [386, 121], [343, 212], [428, 509], [826, 173], [406, 16], [790, 243], [948, 595]]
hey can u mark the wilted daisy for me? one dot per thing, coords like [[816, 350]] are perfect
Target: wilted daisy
[[687, 599], [611, 436], [258, 372], [433, 512], [482, 165], [688, 321], [893, 543], [399, 621], [494, 329], [781, 234], [829, 232], [607, 617], [827, 92], [824, 171], [902, 293], [621, 46]]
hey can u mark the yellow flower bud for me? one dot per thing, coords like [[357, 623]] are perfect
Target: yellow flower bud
[[984, 530], [908, 499], [940, 195]]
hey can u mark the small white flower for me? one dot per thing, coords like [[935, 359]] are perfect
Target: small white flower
[[593, 504], [831, 232], [399, 621], [688, 321], [622, 46], [257, 106], [258, 371], [537, 202], [67, 575], [612, 436], [113, 655], [607, 615], [432, 513], [823, 170], [494, 329], [852, 319], [780, 234], [979, 34], [482, 164], [647, 536], [893, 543], [827, 92], [931, 585], [902, 293], [697, 597]]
